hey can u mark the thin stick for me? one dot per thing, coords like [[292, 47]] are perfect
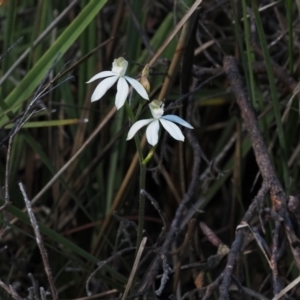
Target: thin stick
[[6, 197], [277, 283], [38, 40], [287, 288], [75, 156], [175, 31], [139, 28], [39, 243], [11, 47], [134, 268], [10, 290], [160, 212], [166, 271], [98, 296], [14, 131]]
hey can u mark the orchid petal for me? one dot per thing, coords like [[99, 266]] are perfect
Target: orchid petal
[[102, 87], [173, 129], [178, 120], [152, 132], [136, 127], [101, 75], [122, 92], [138, 87]]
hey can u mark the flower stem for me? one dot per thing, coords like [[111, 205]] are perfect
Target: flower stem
[[141, 205], [149, 156], [142, 180]]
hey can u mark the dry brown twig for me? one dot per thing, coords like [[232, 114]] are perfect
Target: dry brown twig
[[10, 290], [134, 268], [277, 283], [271, 183], [39, 242]]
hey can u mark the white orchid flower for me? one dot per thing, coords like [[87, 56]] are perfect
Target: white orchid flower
[[157, 110], [117, 73]]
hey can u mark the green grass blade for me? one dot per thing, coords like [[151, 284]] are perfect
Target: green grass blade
[[289, 16], [36, 147], [39, 124], [29, 83], [8, 40], [249, 54]]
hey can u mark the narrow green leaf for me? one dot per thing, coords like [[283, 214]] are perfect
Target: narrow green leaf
[[29, 83], [51, 123], [249, 55], [289, 16]]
